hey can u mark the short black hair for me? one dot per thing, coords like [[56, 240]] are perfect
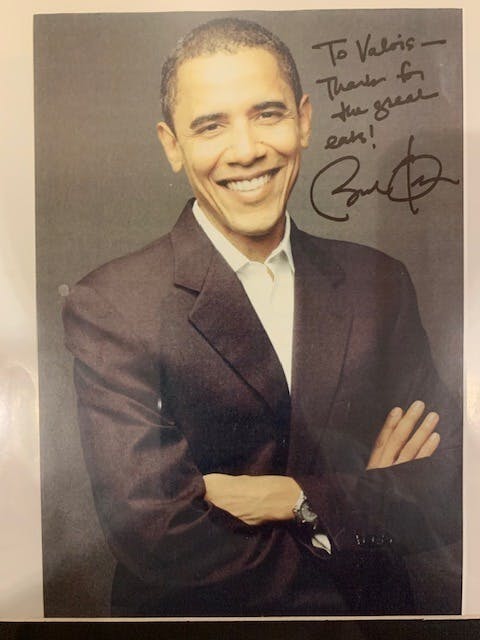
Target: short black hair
[[227, 35]]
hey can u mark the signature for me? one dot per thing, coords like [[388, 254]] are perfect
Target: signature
[[402, 186]]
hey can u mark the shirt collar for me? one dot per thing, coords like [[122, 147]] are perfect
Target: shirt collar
[[235, 258]]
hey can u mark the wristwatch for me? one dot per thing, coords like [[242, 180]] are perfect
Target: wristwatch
[[303, 513]]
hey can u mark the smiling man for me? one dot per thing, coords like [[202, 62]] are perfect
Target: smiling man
[[233, 376], [238, 132]]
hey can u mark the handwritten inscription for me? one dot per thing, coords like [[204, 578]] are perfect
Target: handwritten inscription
[[403, 185], [365, 104]]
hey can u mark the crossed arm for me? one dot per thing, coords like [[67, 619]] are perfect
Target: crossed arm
[[259, 499]]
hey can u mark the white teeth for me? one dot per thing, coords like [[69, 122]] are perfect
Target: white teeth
[[249, 185]]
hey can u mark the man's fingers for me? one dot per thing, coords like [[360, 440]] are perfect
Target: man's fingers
[[430, 446], [389, 425], [385, 432], [419, 439], [396, 444], [401, 434]]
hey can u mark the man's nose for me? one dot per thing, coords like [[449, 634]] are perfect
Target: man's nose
[[245, 146]]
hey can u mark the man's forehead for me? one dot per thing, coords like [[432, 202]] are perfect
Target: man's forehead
[[245, 53], [230, 73]]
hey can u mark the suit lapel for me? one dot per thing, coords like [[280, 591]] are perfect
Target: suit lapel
[[223, 314], [321, 332]]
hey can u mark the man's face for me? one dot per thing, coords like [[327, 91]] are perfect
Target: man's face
[[238, 135]]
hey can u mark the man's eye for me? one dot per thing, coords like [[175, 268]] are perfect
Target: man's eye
[[209, 128], [271, 115]]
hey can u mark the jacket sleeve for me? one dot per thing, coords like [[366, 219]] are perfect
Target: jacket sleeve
[[148, 492], [416, 505]]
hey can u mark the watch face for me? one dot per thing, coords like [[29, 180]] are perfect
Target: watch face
[[306, 514]]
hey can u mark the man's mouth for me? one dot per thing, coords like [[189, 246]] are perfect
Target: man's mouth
[[249, 185]]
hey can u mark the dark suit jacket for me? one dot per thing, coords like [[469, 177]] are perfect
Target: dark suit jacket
[[176, 378]]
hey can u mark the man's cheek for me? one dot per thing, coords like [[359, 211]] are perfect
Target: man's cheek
[[283, 138]]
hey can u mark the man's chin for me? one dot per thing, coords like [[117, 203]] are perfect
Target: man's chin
[[254, 220], [260, 229]]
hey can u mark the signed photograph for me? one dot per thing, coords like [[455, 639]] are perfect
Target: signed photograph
[[249, 245]]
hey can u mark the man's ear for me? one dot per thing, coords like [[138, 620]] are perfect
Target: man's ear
[[170, 146], [305, 120]]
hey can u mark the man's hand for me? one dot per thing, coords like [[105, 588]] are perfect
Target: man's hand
[[253, 499], [395, 442]]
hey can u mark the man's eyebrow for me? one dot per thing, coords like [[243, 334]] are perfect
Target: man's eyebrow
[[270, 104], [208, 117], [215, 117]]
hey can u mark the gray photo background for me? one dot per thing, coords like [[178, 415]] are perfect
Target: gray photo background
[[103, 188]]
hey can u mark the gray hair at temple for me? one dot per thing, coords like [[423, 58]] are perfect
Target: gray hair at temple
[[225, 35]]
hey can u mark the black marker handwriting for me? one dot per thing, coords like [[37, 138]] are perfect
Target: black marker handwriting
[[335, 54], [382, 107], [335, 142], [364, 50], [347, 111], [406, 75], [398, 189], [335, 87], [428, 44]]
